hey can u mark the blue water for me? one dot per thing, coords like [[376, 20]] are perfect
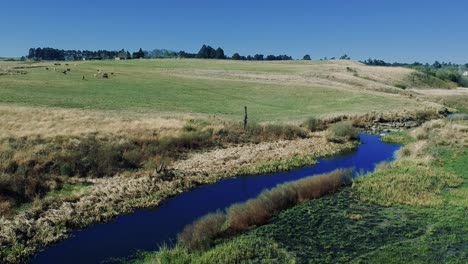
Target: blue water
[[458, 115], [147, 228]]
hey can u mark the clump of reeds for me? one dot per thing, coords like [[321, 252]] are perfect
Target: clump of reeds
[[315, 124], [342, 131], [203, 231], [257, 211]]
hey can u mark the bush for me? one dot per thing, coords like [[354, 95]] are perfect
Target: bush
[[275, 132], [235, 133], [343, 130], [171, 146], [66, 169], [6, 206], [20, 189], [314, 124], [401, 86], [203, 232]]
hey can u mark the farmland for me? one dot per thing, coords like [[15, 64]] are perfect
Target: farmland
[[77, 148], [273, 91]]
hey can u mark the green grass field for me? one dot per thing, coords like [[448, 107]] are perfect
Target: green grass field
[[204, 87]]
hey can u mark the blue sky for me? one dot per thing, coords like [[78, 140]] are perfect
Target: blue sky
[[393, 30]]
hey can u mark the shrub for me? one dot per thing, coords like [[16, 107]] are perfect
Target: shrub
[[22, 189], [315, 187], [235, 133], [202, 232], [66, 169], [343, 130], [401, 86], [6, 206], [171, 146], [314, 124], [270, 132]]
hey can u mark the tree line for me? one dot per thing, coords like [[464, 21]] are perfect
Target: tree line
[[443, 70], [205, 52]]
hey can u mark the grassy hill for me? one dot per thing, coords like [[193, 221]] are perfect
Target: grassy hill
[[273, 91]]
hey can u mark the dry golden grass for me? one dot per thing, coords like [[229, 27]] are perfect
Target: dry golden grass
[[457, 98], [228, 161], [24, 121], [337, 74]]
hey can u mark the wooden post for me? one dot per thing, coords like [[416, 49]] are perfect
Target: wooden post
[[245, 117]]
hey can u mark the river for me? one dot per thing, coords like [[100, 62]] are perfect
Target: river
[[146, 229]]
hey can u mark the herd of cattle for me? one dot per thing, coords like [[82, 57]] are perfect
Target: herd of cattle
[[99, 74]]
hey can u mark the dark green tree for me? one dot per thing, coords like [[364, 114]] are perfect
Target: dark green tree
[[140, 54], [220, 54], [345, 57], [306, 57], [236, 56]]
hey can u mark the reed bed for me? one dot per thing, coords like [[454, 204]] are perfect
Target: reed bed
[[257, 211]]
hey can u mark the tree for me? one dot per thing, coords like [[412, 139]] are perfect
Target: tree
[[306, 57], [345, 57], [31, 53], [140, 54], [211, 53], [258, 57], [220, 54], [202, 52], [437, 65], [206, 52], [236, 56]]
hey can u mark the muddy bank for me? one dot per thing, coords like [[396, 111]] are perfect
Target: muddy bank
[[49, 221]]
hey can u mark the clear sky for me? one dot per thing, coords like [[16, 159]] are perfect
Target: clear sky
[[393, 30]]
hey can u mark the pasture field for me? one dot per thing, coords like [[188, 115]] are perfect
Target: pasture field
[[273, 91]]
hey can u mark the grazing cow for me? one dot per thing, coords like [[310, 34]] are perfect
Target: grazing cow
[[47, 68], [57, 64], [105, 75], [64, 72], [66, 64], [83, 77], [68, 69], [112, 73], [95, 75], [55, 69]]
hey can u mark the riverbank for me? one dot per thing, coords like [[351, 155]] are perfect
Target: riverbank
[[226, 151], [410, 210], [51, 220]]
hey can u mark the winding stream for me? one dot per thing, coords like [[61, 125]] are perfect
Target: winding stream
[[147, 228]]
